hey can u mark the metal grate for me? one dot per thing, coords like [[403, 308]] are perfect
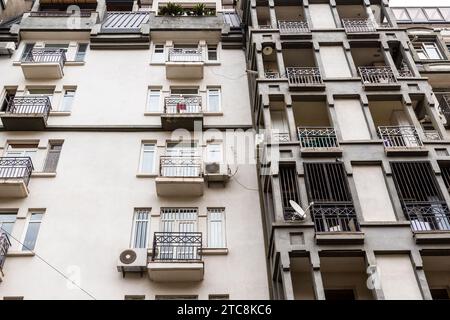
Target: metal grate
[[293, 26], [377, 75], [125, 21], [359, 25], [289, 189]]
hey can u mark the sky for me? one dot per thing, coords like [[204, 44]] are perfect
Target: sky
[[428, 3]]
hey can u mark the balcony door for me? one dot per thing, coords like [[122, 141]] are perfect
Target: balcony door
[[179, 224]]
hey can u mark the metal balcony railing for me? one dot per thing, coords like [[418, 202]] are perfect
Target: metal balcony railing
[[317, 138], [16, 168], [30, 105], [428, 216], [444, 107], [358, 25], [293, 27], [377, 75], [335, 218], [185, 55], [182, 104], [185, 166], [177, 246], [432, 135], [303, 76], [271, 74], [399, 137], [46, 56], [4, 246], [278, 136]]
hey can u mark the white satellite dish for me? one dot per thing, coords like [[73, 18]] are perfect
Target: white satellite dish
[[299, 212], [267, 50]]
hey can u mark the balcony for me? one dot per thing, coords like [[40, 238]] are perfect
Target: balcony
[[182, 112], [4, 246], [430, 221], [184, 64], [15, 174], [315, 141], [44, 64], [176, 257], [401, 140], [444, 108], [378, 78], [304, 78], [26, 113], [294, 29], [180, 177], [357, 26], [336, 224]]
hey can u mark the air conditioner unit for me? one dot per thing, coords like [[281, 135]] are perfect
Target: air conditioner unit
[[7, 48], [132, 260], [216, 172]]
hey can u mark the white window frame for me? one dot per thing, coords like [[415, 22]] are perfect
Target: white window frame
[[159, 57], [65, 90], [149, 94], [135, 220], [219, 94], [12, 221], [141, 158], [423, 50], [222, 221], [27, 225], [217, 53]]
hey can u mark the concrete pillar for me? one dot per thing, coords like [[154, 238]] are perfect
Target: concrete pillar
[[272, 14], [317, 276], [373, 280], [420, 275]]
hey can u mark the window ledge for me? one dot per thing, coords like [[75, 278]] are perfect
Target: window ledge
[[146, 175], [212, 63], [153, 113], [214, 251], [43, 174], [74, 63], [206, 113], [157, 63], [60, 113], [20, 254]]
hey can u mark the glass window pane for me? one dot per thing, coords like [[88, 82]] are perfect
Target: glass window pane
[[140, 226], [32, 232], [214, 100], [401, 14], [417, 15], [433, 14], [216, 228], [68, 98], [432, 51], [154, 101], [212, 53], [81, 52], [445, 13], [148, 158]]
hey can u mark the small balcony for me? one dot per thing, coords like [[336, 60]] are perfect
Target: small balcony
[[304, 78], [176, 257], [294, 29], [444, 108], [316, 141], [180, 177], [182, 112], [184, 63], [44, 64], [430, 221], [15, 174], [378, 78], [336, 224], [26, 113], [356, 26], [401, 140], [4, 246]]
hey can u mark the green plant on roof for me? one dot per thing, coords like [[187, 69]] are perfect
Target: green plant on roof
[[171, 9]]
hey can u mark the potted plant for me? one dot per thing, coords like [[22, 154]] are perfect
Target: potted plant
[[171, 9], [199, 9]]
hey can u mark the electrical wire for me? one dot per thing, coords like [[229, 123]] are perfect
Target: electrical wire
[[49, 264]]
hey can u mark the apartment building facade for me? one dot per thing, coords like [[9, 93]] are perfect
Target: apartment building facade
[[352, 99], [119, 169]]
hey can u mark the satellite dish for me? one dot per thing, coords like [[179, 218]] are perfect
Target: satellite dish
[[267, 50], [299, 212]]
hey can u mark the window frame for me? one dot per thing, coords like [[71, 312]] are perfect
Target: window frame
[[212, 48], [141, 158], [64, 95], [211, 210], [27, 227], [208, 100], [133, 241], [81, 54], [149, 94], [158, 57]]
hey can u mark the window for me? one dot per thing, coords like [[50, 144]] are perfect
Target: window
[[401, 15], [289, 188], [27, 49], [214, 153], [69, 96], [216, 228], [158, 53], [81, 52], [61, 46], [148, 155], [212, 52], [213, 100], [7, 221], [32, 231], [141, 226], [9, 94], [153, 100], [179, 219], [41, 93], [51, 162], [21, 150], [428, 51]]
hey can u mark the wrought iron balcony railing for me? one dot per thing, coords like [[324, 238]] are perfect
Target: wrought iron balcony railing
[[358, 25], [293, 27], [185, 166], [444, 107], [432, 135], [30, 105], [428, 216], [377, 75], [303, 76], [277, 136], [182, 104], [271, 74], [335, 218], [185, 55], [45, 56], [317, 138], [177, 247], [399, 137], [4, 246], [16, 168]]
